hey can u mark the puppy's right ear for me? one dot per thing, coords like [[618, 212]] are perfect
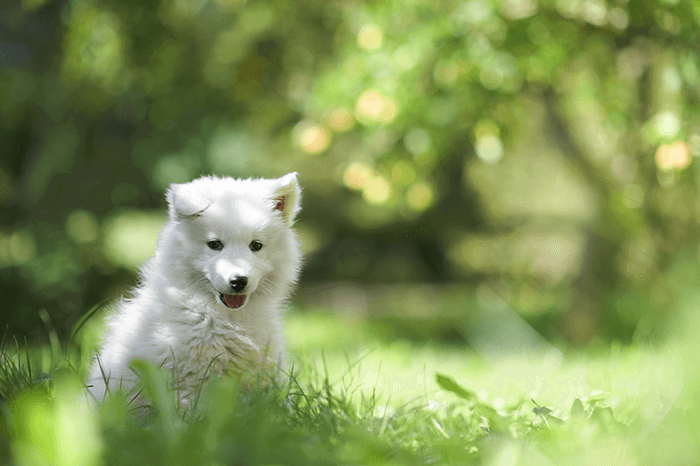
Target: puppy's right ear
[[185, 201], [287, 197]]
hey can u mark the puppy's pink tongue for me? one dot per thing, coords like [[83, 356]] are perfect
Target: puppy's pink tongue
[[234, 301]]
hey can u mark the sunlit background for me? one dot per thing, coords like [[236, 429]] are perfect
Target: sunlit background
[[493, 174]]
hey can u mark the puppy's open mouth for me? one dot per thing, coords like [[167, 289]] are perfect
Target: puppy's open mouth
[[234, 301]]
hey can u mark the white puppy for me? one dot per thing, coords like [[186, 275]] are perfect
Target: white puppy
[[212, 297]]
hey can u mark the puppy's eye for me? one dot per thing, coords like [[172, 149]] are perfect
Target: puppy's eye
[[215, 245], [255, 245]]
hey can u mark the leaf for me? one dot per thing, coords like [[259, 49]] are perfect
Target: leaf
[[497, 423], [448, 383], [541, 411], [545, 413], [605, 418], [577, 409]]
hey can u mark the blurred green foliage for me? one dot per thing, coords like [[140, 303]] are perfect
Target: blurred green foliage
[[542, 151]]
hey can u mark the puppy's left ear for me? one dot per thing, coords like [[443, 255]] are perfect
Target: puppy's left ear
[[287, 197], [186, 200]]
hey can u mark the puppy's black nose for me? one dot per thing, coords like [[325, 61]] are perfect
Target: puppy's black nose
[[238, 283]]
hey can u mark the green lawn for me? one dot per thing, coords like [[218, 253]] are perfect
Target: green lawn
[[357, 398]]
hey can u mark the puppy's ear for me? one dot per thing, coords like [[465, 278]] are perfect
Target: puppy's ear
[[287, 197], [185, 200]]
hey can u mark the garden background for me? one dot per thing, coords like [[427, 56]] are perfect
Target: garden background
[[482, 179]]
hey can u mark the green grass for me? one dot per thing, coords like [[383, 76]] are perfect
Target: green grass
[[357, 399]]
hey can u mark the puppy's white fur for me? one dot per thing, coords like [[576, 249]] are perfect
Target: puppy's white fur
[[178, 317]]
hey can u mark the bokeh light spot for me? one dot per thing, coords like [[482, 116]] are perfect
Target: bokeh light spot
[[667, 124], [473, 12], [489, 148], [518, 9], [406, 57], [619, 18], [675, 156], [356, 175], [376, 190], [94, 49], [341, 119], [420, 196], [311, 138], [417, 141], [374, 107], [173, 168], [130, 237], [486, 127], [82, 227], [32, 5], [694, 144], [22, 247], [671, 78], [231, 150], [370, 37], [595, 12]]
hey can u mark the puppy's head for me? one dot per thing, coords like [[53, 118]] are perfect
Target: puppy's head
[[234, 237]]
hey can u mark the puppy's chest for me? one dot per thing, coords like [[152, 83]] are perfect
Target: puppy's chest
[[214, 343]]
